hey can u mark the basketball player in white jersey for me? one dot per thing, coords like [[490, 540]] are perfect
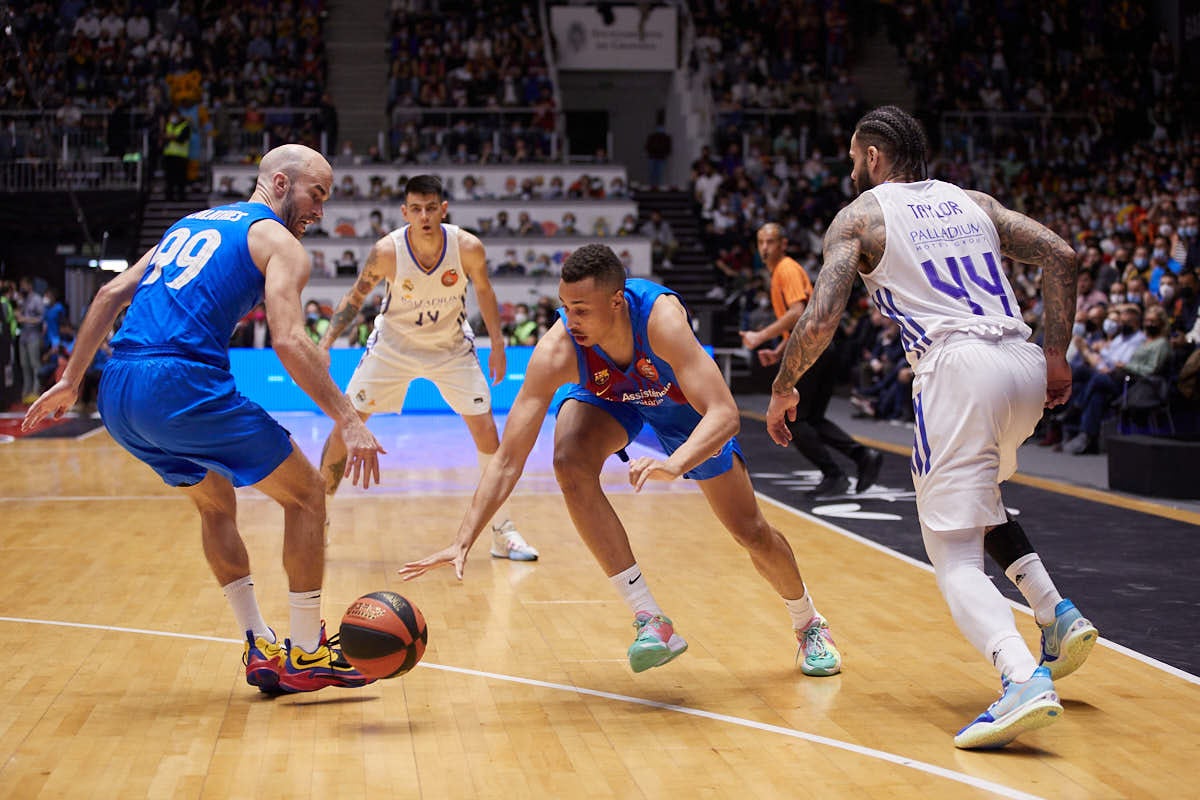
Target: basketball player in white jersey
[[422, 332], [930, 255]]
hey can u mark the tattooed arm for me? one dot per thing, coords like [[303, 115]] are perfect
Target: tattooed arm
[[381, 265], [1030, 242], [853, 243]]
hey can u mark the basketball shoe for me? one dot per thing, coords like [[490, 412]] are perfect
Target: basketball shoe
[[1067, 641], [263, 660], [818, 656], [656, 642], [1022, 707], [307, 672], [508, 543]]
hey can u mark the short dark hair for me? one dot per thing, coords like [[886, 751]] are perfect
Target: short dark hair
[[596, 261], [899, 136], [424, 185]]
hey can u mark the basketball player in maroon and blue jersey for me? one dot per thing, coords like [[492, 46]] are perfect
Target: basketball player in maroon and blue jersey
[[168, 397], [627, 348]]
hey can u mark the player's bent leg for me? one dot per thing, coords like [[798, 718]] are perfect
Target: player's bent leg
[[584, 437], [297, 486], [223, 546], [731, 497]]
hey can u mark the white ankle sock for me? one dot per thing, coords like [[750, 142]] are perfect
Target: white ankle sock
[[306, 619], [801, 611], [240, 594], [633, 590], [1029, 576], [502, 514], [1011, 657]]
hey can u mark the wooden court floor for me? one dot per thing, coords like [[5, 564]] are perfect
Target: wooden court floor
[[125, 677]]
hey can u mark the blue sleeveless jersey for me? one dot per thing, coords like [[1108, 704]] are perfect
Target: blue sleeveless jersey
[[647, 390], [200, 282]]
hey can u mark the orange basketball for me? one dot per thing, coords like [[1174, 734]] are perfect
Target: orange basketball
[[383, 635]]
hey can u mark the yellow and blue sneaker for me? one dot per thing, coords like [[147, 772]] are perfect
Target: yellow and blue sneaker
[[303, 671], [263, 660], [1022, 707], [817, 655], [656, 642], [1067, 641]]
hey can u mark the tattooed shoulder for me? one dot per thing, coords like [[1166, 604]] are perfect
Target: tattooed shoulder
[[861, 223]]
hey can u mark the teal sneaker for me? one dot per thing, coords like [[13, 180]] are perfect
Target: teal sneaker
[[818, 656], [1022, 707], [1067, 641], [656, 642]]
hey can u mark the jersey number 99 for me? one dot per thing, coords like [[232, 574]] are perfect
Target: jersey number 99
[[185, 249]]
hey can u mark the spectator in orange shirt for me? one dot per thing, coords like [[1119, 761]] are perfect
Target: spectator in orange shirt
[[812, 433]]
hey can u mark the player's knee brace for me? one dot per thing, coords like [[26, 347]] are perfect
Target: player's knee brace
[[1006, 543]]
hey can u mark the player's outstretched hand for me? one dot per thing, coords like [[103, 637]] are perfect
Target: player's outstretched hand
[[455, 555], [770, 356], [780, 412], [1058, 381], [650, 469], [58, 400], [362, 454]]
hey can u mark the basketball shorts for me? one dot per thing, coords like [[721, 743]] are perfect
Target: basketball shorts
[[184, 418], [672, 425], [975, 403], [380, 381]]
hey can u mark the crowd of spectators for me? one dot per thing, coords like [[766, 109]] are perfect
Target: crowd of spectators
[[485, 60], [105, 72], [1110, 163]]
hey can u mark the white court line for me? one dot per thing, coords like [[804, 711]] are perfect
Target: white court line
[[1120, 648], [880, 755]]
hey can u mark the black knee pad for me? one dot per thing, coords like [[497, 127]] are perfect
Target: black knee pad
[[1006, 543]]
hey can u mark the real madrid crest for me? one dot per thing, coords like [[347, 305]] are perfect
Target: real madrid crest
[[407, 285]]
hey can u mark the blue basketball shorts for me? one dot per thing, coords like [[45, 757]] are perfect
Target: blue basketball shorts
[[672, 425], [184, 418]]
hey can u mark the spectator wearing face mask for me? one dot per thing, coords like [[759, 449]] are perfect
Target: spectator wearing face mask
[[1161, 262], [568, 226], [252, 330], [315, 322], [1189, 240], [511, 265], [524, 327], [1139, 265], [1151, 357]]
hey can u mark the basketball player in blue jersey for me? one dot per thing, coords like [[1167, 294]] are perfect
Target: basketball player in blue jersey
[[422, 332], [929, 253], [628, 348], [168, 397]]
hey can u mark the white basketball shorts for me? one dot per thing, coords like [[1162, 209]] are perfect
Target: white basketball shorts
[[975, 403], [380, 382]]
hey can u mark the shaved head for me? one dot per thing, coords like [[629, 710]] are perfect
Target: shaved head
[[294, 181], [773, 229], [291, 160]]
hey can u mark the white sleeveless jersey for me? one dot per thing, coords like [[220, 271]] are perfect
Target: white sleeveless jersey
[[941, 269], [425, 309]]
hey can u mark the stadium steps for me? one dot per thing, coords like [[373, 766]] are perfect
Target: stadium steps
[[880, 74], [356, 41], [691, 272]]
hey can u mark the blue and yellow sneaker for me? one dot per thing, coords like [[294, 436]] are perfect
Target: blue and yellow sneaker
[[1067, 641], [307, 672], [656, 642], [817, 655], [1022, 707], [263, 660]]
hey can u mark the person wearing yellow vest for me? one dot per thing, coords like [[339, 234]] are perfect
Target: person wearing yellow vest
[[177, 135]]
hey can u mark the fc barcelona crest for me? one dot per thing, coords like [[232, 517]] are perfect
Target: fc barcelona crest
[[449, 278], [601, 378], [645, 368]]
